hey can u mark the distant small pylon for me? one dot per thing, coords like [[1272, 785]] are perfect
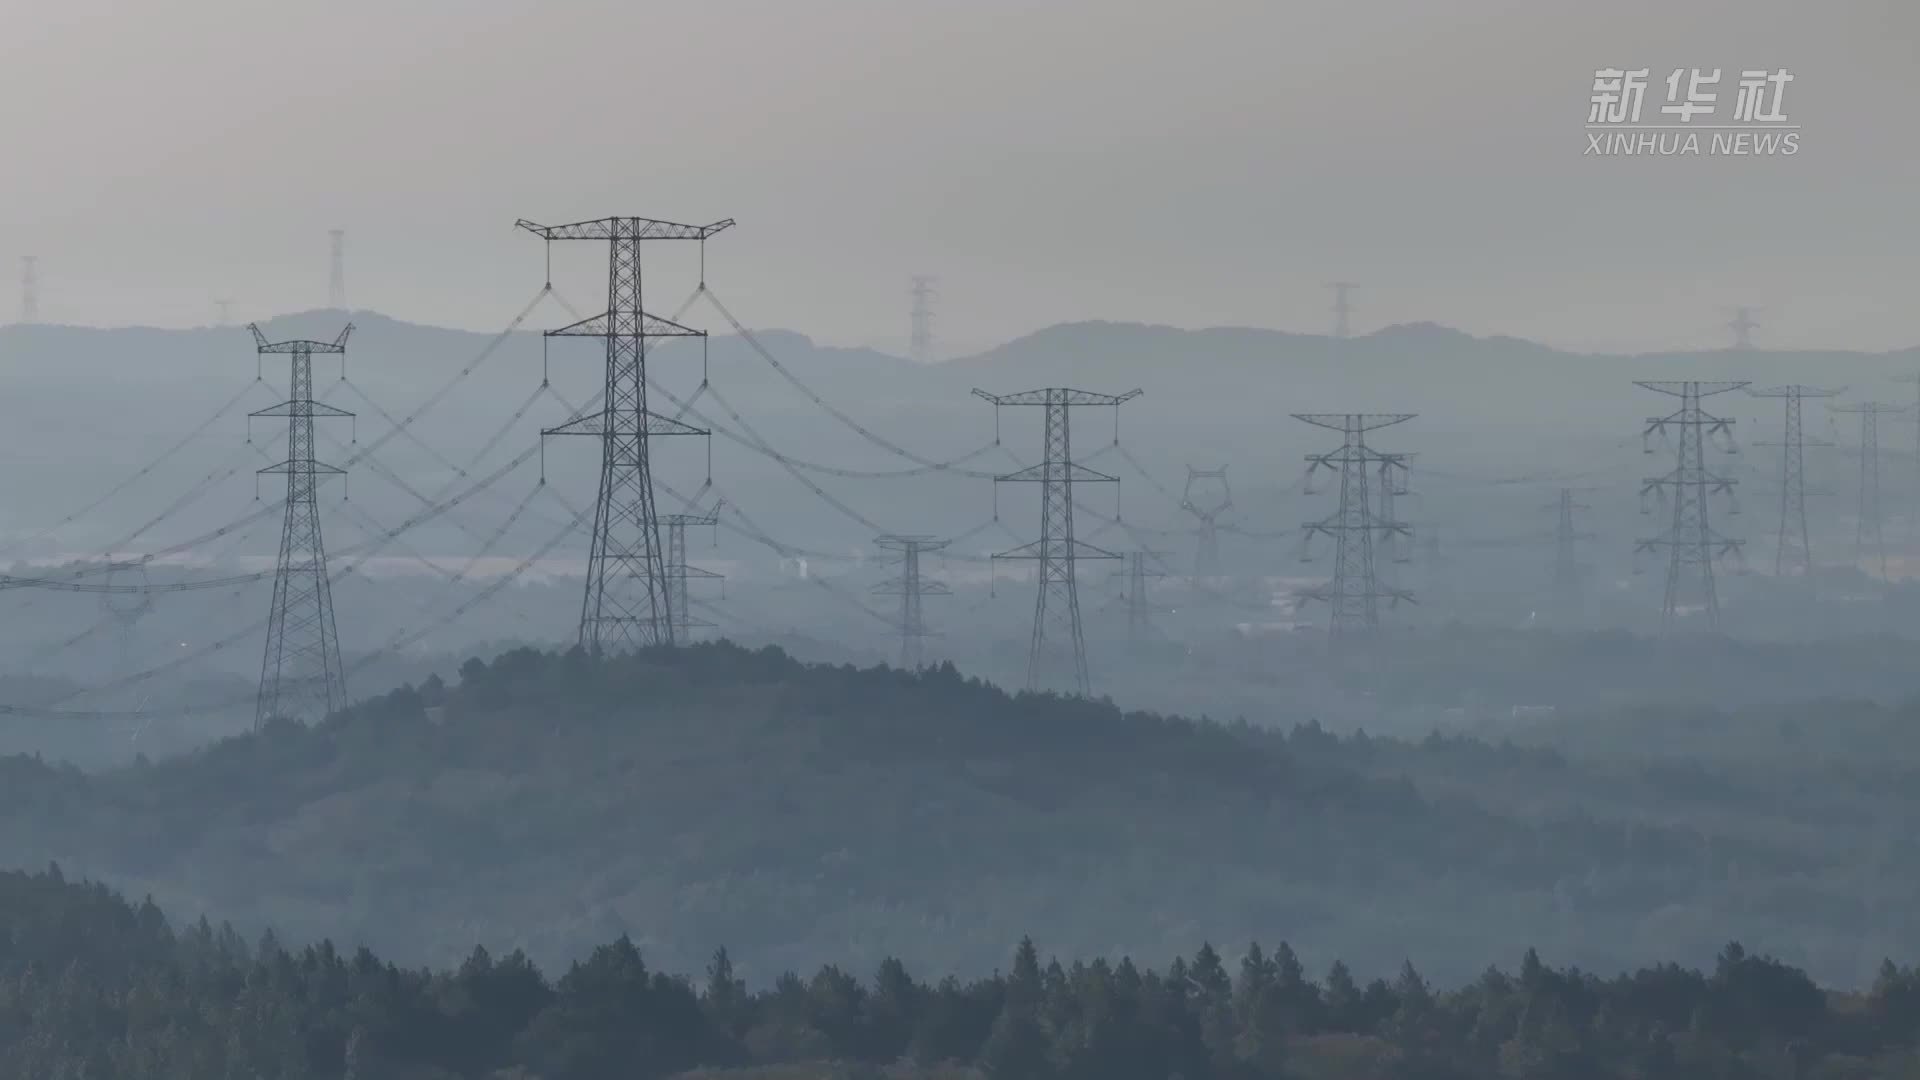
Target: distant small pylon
[[1743, 327], [1342, 307], [1869, 536], [921, 346], [910, 586]]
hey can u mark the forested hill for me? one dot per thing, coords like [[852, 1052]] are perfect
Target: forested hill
[[811, 814], [93, 987]]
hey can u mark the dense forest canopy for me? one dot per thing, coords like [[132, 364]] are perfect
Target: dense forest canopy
[[91, 986], [809, 814]]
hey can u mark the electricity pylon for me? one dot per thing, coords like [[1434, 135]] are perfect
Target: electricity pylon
[[910, 586], [301, 677], [1743, 327], [1793, 550], [1342, 309], [1140, 627], [627, 604], [1913, 520], [1207, 508], [1056, 610], [1355, 591], [1868, 531], [920, 348], [1566, 556], [678, 570], [1690, 540]]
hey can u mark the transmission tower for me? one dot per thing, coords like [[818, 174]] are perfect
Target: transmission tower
[[1056, 611], [1139, 612], [1355, 591], [627, 603], [300, 676], [29, 289], [1342, 308], [1793, 552], [910, 586], [1690, 540], [1207, 505], [678, 570], [337, 270], [1913, 521], [1566, 556], [1868, 532], [921, 349], [1743, 327]]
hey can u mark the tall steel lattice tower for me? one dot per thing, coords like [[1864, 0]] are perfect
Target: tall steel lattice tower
[[1690, 541], [1342, 307], [1567, 591], [911, 586], [1207, 496], [1793, 550], [1056, 610], [29, 289], [1355, 591], [1869, 534], [920, 348], [679, 571], [301, 677], [1913, 519], [1140, 627], [337, 270], [627, 603]]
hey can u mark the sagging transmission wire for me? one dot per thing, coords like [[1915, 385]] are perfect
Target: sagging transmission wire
[[399, 640], [144, 471], [858, 428], [108, 564], [363, 552]]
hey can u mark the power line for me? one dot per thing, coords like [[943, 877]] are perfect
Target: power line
[[626, 604], [1690, 540], [1355, 591], [300, 671], [1056, 611]]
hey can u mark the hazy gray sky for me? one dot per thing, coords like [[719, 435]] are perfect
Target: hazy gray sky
[[1201, 163]]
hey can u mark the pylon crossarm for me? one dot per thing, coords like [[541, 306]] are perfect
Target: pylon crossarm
[[1058, 396], [596, 424], [1361, 421], [1679, 388], [624, 228], [626, 325], [1055, 472], [315, 409]]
